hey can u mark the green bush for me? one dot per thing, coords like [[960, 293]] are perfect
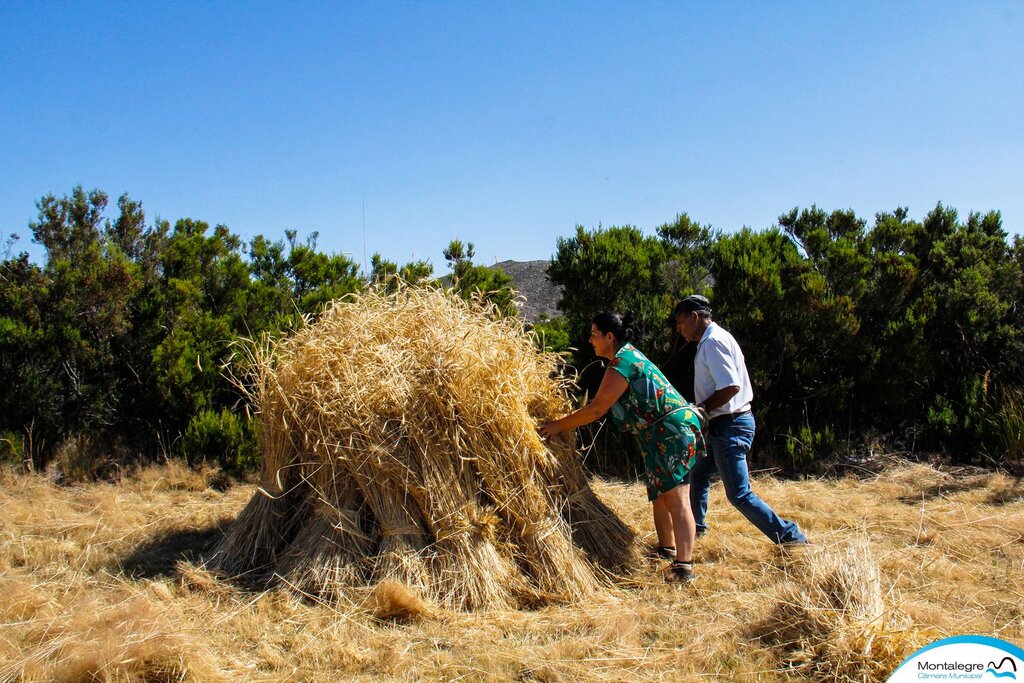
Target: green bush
[[806, 445], [222, 437], [552, 335], [612, 269], [12, 448], [1006, 424]]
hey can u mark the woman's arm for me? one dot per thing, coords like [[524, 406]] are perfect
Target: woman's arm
[[612, 387]]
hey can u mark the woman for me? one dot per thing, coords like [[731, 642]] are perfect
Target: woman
[[667, 428]]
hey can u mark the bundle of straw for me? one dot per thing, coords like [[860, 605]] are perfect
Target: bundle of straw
[[834, 620], [399, 443]]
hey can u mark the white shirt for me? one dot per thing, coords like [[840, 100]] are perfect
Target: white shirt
[[720, 364]]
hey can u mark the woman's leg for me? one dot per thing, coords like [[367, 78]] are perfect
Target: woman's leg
[[663, 524], [677, 502]]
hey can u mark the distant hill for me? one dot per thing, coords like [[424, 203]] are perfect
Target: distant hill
[[530, 280]]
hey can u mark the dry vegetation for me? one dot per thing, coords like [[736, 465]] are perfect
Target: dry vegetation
[[410, 525], [105, 582]]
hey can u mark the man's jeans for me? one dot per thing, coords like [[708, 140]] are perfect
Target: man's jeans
[[728, 441]]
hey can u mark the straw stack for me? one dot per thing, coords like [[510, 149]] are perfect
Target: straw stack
[[399, 443]]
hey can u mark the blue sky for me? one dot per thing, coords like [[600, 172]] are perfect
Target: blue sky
[[507, 124]]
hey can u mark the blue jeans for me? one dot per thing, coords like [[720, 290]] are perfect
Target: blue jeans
[[728, 442]]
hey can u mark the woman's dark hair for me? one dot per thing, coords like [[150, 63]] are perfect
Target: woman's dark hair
[[619, 325]]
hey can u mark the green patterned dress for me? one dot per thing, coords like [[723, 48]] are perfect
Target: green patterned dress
[[665, 425]]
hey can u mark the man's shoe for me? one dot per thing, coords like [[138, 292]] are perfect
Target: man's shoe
[[795, 544], [680, 573]]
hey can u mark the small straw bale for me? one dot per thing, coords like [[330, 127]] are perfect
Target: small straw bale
[[395, 601], [262, 529], [833, 621], [399, 444]]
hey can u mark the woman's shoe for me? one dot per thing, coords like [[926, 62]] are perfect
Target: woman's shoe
[[665, 552], [680, 572]]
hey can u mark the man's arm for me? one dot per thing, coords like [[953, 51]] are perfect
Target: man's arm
[[722, 367], [720, 397]]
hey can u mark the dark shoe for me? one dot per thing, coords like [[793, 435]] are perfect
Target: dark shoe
[[662, 552], [680, 573]]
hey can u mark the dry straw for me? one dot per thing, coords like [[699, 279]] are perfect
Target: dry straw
[[833, 621], [399, 443]]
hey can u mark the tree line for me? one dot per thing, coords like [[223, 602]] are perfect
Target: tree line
[[114, 346], [907, 330]]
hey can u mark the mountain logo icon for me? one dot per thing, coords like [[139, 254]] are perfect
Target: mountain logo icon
[[996, 669]]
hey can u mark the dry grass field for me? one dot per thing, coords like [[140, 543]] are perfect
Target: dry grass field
[[106, 582]]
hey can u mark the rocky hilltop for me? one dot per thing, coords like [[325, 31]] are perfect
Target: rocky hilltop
[[530, 280]]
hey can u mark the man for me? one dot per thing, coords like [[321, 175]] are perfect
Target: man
[[723, 391]]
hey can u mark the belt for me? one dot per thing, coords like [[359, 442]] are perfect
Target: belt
[[726, 416], [671, 412]]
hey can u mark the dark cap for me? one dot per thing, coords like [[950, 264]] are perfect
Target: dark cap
[[694, 302]]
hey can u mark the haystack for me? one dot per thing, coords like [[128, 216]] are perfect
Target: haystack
[[399, 443]]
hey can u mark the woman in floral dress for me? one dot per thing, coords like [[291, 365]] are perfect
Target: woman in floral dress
[[667, 428]]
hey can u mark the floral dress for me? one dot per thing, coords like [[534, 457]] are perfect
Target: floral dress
[[665, 425]]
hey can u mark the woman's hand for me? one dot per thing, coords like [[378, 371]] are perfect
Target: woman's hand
[[549, 429], [612, 387]]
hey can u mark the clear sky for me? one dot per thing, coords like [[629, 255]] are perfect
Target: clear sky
[[507, 124]]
